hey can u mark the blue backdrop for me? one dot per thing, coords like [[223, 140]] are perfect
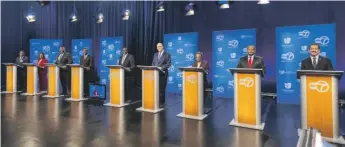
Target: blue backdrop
[[227, 48], [49, 47], [292, 45], [182, 47], [111, 49], [77, 48]]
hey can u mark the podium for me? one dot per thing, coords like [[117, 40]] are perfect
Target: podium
[[193, 93], [150, 89], [32, 80], [11, 78], [117, 86], [77, 82], [53, 81], [247, 98], [319, 102]]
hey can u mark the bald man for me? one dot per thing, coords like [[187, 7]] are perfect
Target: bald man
[[62, 60], [251, 60], [162, 59]]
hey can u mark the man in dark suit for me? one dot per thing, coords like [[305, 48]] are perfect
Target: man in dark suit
[[127, 60], [251, 60], [87, 63], [62, 60], [21, 70], [315, 61], [162, 59]]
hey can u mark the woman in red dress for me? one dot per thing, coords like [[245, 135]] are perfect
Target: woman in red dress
[[42, 72]]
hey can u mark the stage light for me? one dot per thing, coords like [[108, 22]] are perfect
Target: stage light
[[160, 7], [74, 15], [43, 3], [31, 17], [190, 9], [126, 14], [262, 2], [100, 18], [224, 6]]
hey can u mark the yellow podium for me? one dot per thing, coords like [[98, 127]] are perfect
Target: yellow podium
[[32, 79], [150, 89], [117, 85], [319, 102], [53, 81], [193, 93], [11, 78], [77, 83], [247, 98]]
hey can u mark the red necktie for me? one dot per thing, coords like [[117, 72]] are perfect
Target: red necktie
[[250, 62]]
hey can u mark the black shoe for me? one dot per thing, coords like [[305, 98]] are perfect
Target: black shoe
[[161, 105]]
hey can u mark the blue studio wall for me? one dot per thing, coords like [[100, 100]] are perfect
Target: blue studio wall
[[146, 27]]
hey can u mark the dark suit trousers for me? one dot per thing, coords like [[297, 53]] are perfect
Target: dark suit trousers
[[65, 79], [87, 80], [21, 77], [162, 85], [130, 89]]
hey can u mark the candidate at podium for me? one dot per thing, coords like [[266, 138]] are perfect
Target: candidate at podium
[[42, 72], [315, 61], [127, 60], [201, 64], [162, 59], [87, 63], [251, 60], [62, 60], [21, 70]]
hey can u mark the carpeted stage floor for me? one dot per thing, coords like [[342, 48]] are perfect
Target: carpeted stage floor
[[41, 122]]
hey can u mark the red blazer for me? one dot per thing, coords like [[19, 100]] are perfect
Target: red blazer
[[42, 63]]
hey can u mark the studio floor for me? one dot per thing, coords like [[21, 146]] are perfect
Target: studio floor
[[29, 121]]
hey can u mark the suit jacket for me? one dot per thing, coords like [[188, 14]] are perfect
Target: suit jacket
[[203, 64], [164, 62], [323, 63], [25, 60], [257, 63], [129, 61], [65, 59], [86, 62]]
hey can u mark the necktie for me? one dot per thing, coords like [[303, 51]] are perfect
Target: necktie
[[159, 55], [21, 58], [60, 57], [314, 62], [123, 59], [250, 62]]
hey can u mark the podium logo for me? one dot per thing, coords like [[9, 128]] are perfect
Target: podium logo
[[46, 48], [111, 47], [115, 74], [287, 40], [220, 89], [304, 33], [287, 85], [319, 86], [191, 79], [104, 42], [288, 56], [247, 82], [171, 68], [220, 63], [323, 40], [233, 43], [189, 57], [220, 37], [149, 76], [220, 49], [233, 55], [169, 44], [231, 83], [179, 51]]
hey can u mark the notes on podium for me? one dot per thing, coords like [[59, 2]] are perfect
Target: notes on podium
[[53, 81], [11, 78], [150, 89], [193, 93], [32, 79], [117, 86], [319, 102], [247, 98], [77, 83]]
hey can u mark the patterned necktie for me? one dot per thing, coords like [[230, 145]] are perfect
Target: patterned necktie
[[314, 62], [159, 55], [250, 62]]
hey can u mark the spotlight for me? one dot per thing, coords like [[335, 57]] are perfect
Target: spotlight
[[126, 14], [74, 15], [43, 3], [31, 17], [100, 18], [160, 7], [224, 6], [190, 9], [262, 2]]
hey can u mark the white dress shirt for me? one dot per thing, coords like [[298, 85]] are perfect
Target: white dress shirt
[[199, 64], [123, 58]]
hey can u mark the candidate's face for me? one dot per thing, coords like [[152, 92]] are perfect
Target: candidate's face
[[198, 57], [314, 50], [85, 51], [251, 50], [41, 56], [160, 47], [21, 53], [124, 51], [62, 49]]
